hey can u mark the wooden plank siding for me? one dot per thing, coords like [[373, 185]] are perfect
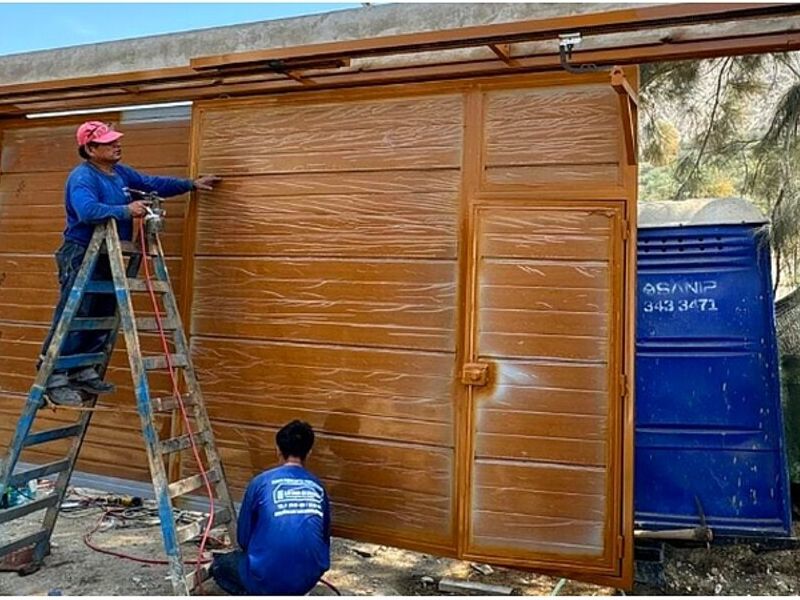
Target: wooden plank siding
[[325, 289], [553, 135], [34, 163]]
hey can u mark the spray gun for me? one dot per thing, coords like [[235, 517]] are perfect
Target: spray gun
[[154, 219]]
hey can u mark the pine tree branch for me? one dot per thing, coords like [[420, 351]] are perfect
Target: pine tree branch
[[707, 135]]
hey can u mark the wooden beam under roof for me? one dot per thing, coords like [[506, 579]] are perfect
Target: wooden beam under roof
[[505, 33]]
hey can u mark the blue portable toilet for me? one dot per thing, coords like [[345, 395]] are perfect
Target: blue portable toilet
[[709, 428]]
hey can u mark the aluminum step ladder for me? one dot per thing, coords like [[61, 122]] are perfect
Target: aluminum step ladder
[[125, 282]]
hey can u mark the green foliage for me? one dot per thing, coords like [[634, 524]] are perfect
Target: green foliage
[[656, 183], [727, 127]]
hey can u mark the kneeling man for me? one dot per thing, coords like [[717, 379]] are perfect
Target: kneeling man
[[283, 527]]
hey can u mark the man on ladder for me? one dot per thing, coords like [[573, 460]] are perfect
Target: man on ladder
[[97, 190], [92, 263]]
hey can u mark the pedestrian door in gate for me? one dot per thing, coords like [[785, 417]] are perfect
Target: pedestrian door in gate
[[544, 482]]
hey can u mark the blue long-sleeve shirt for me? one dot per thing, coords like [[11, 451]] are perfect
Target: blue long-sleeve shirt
[[284, 530], [92, 196]]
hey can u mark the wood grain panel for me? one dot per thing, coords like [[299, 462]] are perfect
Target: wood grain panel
[[568, 450], [275, 118], [596, 104], [566, 127], [28, 286], [545, 322], [493, 420], [546, 174], [244, 221], [399, 183], [397, 304], [407, 514], [546, 534], [545, 235], [383, 463], [26, 190], [345, 391], [49, 148], [534, 239], [19, 347], [572, 493], [389, 134], [537, 274], [549, 387], [540, 298], [22, 185], [368, 479], [520, 345], [38, 149]]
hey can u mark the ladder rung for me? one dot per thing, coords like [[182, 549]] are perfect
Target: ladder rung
[[85, 324], [170, 403], [41, 471], [152, 363], [183, 442], [79, 360], [99, 287], [129, 248], [190, 484], [140, 285], [188, 532], [29, 540], [134, 285], [16, 512], [205, 573], [145, 324], [50, 435]]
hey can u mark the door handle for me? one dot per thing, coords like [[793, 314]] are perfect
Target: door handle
[[475, 373]]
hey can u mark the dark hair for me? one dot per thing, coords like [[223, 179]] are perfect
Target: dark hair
[[82, 150], [295, 439]]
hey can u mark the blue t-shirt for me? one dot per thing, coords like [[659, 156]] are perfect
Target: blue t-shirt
[[92, 196], [284, 531]]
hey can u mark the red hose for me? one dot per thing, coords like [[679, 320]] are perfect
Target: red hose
[[87, 539], [177, 394]]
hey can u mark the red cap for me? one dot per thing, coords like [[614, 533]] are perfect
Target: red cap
[[97, 132]]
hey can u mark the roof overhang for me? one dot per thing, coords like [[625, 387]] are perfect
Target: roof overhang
[[614, 37]]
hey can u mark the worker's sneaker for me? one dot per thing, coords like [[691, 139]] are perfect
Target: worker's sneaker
[[87, 380], [64, 396]]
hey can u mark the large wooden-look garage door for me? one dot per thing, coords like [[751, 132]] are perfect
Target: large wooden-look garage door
[[325, 288], [363, 250]]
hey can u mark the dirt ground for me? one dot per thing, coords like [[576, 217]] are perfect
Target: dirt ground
[[363, 569]]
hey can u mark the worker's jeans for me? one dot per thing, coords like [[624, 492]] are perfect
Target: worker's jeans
[[225, 571], [69, 258]]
